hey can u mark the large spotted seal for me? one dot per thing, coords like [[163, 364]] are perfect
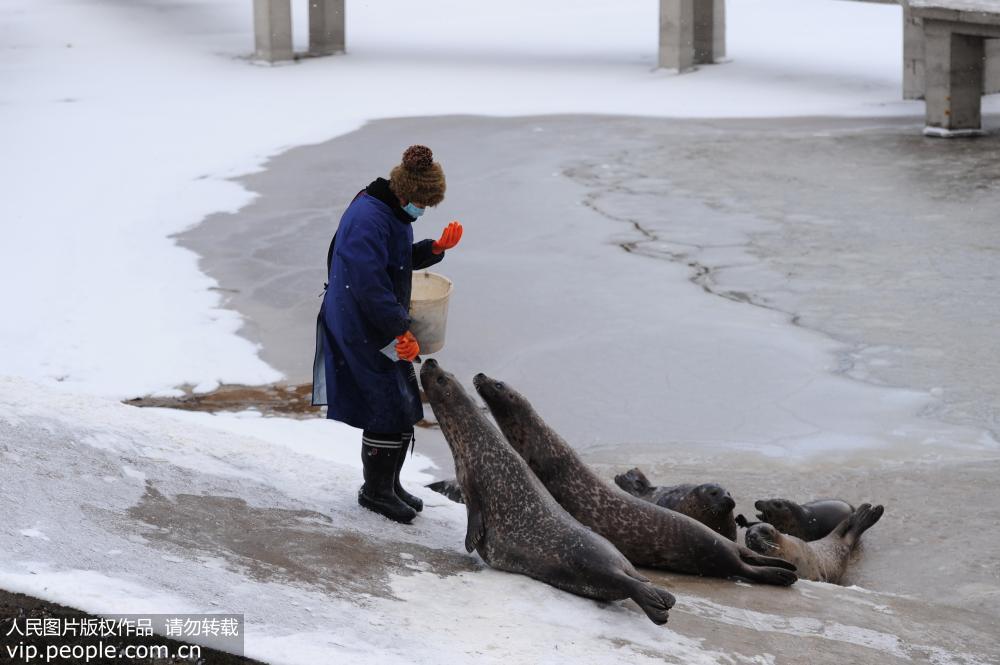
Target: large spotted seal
[[808, 521], [822, 560], [514, 523], [645, 533], [708, 503]]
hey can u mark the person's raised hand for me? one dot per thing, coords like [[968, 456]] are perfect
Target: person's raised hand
[[407, 347], [449, 238]]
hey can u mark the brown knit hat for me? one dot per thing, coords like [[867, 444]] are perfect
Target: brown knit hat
[[419, 178]]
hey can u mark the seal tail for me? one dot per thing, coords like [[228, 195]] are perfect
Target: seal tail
[[633, 481], [860, 521], [655, 602]]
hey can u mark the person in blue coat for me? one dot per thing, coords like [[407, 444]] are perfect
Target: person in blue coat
[[365, 316]]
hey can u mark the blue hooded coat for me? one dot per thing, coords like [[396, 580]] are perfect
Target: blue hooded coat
[[366, 305]]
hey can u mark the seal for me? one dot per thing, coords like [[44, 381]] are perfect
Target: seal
[[808, 521], [823, 560], [708, 503], [647, 534], [514, 523]]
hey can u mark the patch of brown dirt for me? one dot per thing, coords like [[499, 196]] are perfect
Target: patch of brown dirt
[[275, 399], [272, 399]]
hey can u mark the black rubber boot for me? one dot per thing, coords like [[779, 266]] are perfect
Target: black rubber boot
[[377, 493], [412, 501]]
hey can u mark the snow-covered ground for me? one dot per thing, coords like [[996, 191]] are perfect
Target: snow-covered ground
[[120, 124]]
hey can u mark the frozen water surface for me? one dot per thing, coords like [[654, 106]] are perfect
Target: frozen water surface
[[838, 249]]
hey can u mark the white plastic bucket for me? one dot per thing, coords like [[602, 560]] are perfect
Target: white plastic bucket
[[429, 309]]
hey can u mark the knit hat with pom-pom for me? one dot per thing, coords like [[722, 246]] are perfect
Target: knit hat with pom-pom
[[419, 178]]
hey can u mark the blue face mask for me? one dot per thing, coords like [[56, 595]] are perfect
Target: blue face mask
[[412, 210]]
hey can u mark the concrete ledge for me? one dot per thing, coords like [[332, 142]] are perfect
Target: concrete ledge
[[980, 16], [979, 29]]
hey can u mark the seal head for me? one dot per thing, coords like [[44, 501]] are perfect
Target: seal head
[[709, 503], [715, 497], [787, 516], [764, 539]]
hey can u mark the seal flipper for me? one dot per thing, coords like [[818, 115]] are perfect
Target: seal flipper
[[769, 575], [477, 527], [449, 488], [741, 520], [634, 482], [655, 602], [860, 521], [748, 556]]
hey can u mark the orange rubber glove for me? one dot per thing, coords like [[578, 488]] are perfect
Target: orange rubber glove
[[407, 347], [449, 238]]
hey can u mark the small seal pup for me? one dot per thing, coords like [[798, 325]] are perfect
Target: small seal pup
[[808, 521], [514, 523], [708, 503], [823, 560], [645, 533]]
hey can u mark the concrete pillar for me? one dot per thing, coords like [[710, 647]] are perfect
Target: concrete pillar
[[913, 55], [272, 25], [991, 77], [709, 31], [326, 27], [954, 81], [677, 34]]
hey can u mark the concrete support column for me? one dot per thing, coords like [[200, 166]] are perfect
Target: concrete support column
[[692, 32], [991, 78], [272, 24], [913, 55], [327, 34], [677, 34], [954, 80], [709, 31]]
